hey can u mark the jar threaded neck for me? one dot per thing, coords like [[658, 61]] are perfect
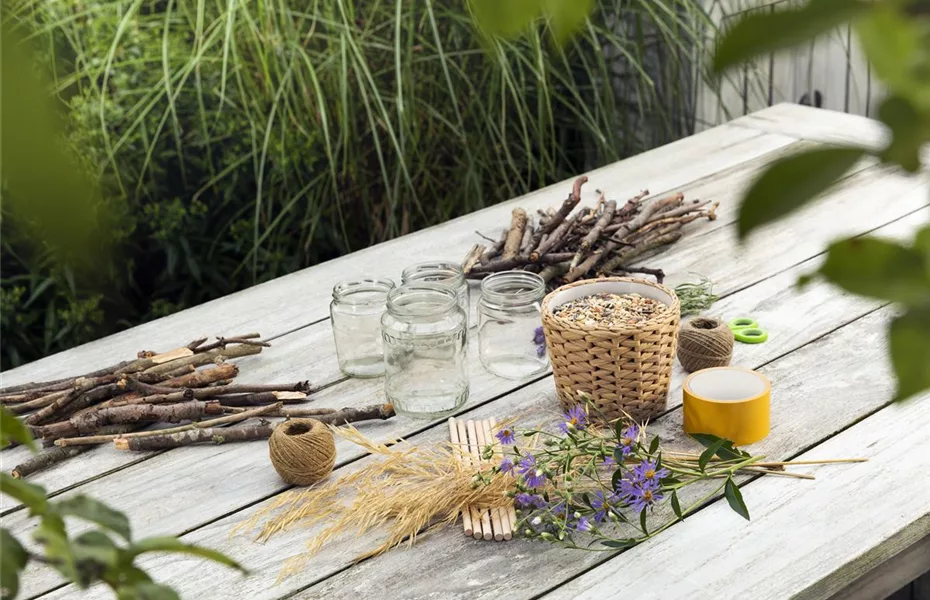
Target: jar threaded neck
[[373, 290], [513, 288], [421, 299]]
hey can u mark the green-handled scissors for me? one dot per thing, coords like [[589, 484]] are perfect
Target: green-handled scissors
[[747, 330]]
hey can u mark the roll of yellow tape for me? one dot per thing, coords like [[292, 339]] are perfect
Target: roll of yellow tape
[[729, 402]]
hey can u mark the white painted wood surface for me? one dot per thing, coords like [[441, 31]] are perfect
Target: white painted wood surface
[[193, 491]]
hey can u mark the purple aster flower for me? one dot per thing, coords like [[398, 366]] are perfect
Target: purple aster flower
[[506, 465], [583, 524], [532, 475], [523, 499], [576, 418], [558, 509], [628, 438], [646, 472], [538, 336], [609, 461], [506, 436], [640, 495], [601, 505]]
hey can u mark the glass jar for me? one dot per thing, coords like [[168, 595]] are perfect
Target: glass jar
[[424, 350], [445, 273], [356, 312], [510, 337]]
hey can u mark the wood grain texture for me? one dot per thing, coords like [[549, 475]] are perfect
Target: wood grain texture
[[774, 302], [885, 573], [820, 125], [309, 353], [227, 495], [845, 391], [799, 534], [295, 300]]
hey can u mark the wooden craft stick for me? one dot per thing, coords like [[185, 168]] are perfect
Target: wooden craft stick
[[454, 437], [483, 440], [498, 515], [511, 511], [477, 531], [476, 461]]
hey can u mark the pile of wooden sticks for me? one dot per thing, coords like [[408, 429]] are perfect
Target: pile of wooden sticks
[[567, 245], [488, 523], [192, 384]]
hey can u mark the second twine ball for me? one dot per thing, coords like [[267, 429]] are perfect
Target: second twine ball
[[704, 342]]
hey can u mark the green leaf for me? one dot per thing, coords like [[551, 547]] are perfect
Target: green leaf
[[878, 268], [654, 445], [676, 507], [13, 429], [910, 352], [705, 439], [146, 591], [170, 544], [908, 133], [709, 453], [792, 182], [566, 17], [617, 476], [30, 494], [506, 19], [922, 245], [618, 543], [759, 34], [642, 521], [13, 559], [52, 535], [94, 554], [97, 512], [735, 499], [895, 45]]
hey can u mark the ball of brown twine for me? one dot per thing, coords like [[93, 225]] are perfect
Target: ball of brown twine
[[704, 342], [302, 451]]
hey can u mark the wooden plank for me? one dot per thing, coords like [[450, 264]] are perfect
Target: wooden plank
[[295, 300], [774, 302], [884, 576], [212, 465], [309, 353], [845, 392], [799, 534], [819, 125]]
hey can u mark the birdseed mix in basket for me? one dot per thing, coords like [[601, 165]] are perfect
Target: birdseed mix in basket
[[610, 310]]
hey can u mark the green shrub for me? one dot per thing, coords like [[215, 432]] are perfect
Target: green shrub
[[244, 140]]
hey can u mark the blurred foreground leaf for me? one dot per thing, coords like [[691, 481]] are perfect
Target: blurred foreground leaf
[[43, 187], [910, 352], [792, 182]]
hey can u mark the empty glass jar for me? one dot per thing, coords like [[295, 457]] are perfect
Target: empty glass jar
[[510, 337], [424, 350], [356, 312], [445, 273]]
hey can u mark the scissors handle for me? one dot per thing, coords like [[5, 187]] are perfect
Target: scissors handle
[[742, 323], [750, 335]]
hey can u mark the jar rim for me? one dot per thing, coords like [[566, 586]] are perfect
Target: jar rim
[[513, 287], [434, 271], [344, 290], [420, 299]]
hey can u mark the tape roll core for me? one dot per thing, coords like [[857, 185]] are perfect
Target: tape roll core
[[729, 402]]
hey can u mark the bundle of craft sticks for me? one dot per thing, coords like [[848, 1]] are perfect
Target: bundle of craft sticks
[[481, 523]]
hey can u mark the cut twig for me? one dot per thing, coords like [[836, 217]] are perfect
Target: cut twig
[[515, 234], [610, 207], [567, 206], [472, 258], [220, 435], [121, 415]]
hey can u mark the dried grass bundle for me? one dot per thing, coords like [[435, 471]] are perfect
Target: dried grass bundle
[[412, 490]]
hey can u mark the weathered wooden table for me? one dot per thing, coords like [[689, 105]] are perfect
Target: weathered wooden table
[[859, 530]]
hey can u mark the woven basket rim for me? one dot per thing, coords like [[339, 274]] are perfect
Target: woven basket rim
[[675, 306]]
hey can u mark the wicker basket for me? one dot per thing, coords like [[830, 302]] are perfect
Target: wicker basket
[[625, 370]]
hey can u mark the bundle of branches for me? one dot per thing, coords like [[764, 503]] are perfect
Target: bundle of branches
[[191, 384], [566, 245]]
